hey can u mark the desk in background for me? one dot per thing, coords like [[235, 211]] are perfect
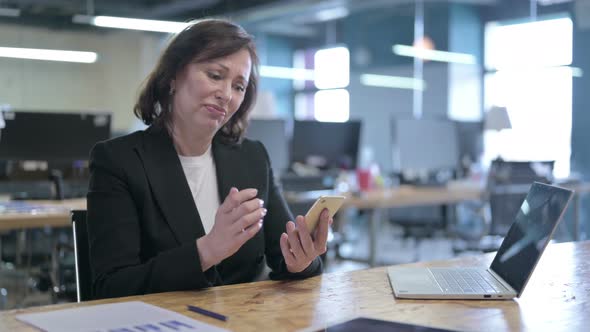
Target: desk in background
[[411, 196], [403, 196], [373, 202], [555, 299], [39, 214], [24, 215], [406, 196]]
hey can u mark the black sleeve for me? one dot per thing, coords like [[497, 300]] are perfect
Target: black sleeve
[[114, 231], [274, 225]]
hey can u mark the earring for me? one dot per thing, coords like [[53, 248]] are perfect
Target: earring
[[171, 92]]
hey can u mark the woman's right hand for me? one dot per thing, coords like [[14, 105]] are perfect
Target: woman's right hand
[[237, 220]]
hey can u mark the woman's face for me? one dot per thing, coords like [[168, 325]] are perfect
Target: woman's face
[[207, 94]]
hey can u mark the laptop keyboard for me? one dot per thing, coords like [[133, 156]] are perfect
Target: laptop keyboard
[[467, 281]]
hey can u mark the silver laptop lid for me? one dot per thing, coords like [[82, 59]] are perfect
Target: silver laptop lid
[[530, 233]]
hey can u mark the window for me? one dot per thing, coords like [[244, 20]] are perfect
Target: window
[[331, 105], [528, 74], [327, 100], [332, 66]]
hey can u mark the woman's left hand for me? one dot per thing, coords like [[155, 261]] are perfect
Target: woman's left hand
[[299, 247]]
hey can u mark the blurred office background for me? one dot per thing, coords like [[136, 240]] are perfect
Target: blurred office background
[[354, 96]]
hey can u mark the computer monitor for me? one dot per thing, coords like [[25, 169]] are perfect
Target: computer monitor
[[327, 145], [52, 136], [424, 145], [273, 134], [470, 135]]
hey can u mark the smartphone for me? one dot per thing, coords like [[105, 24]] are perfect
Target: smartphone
[[332, 203]]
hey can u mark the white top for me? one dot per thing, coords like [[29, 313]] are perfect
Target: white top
[[202, 179]]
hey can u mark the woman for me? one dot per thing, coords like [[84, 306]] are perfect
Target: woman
[[188, 203]]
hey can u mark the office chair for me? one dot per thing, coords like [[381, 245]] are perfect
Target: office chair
[[419, 223], [508, 185], [82, 258]]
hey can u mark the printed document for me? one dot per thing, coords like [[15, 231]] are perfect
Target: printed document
[[115, 317]]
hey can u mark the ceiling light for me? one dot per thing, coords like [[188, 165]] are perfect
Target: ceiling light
[[527, 70], [433, 55], [49, 55], [11, 12], [132, 23], [551, 2], [287, 73], [331, 14], [396, 82]]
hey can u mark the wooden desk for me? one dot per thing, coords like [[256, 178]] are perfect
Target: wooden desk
[[406, 196], [556, 299], [454, 192], [401, 196], [58, 216]]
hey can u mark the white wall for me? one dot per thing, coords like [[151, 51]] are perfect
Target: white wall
[[110, 84]]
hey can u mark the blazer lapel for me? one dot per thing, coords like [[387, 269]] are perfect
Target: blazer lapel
[[169, 186]]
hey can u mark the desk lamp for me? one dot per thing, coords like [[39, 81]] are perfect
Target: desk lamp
[[497, 119]]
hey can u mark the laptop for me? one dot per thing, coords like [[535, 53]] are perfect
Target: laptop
[[513, 264]]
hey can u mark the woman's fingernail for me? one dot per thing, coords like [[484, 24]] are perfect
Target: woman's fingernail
[[264, 212], [261, 202]]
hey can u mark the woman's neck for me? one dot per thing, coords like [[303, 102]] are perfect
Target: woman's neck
[[189, 142]]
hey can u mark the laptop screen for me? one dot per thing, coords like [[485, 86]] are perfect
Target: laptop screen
[[528, 236]]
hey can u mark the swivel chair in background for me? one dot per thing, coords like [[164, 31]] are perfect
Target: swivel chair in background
[[429, 150], [507, 185]]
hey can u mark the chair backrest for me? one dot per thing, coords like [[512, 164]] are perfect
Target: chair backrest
[[508, 185], [82, 257], [520, 172], [504, 206]]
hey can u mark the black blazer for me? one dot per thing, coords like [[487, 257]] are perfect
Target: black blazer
[[143, 222]]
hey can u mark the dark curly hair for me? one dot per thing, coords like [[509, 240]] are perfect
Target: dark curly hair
[[202, 41]]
